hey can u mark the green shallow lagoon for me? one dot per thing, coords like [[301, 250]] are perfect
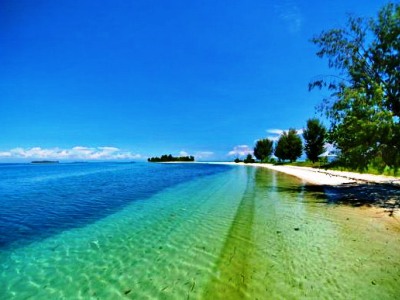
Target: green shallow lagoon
[[245, 233]]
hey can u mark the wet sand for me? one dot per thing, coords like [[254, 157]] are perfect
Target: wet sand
[[354, 189]]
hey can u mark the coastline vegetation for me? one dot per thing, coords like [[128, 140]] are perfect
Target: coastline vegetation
[[170, 158], [364, 103], [289, 146], [263, 150], [248, 160], [315, 138]]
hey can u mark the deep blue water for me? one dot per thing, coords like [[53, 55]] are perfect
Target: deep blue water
[[37, 201]]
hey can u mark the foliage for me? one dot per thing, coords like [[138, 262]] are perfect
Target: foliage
[[364, 107], [294, 145], [289, 146], [263, 149], [170, 158], [373, 168], [280, 148], [314, 137], [249, 159], [237, 160], [307, 163]]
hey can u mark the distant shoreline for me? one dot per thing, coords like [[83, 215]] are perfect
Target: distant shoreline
[[45, 162]]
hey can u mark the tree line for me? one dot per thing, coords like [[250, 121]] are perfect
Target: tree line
[[290, 146], [170, 158], [364, 102]]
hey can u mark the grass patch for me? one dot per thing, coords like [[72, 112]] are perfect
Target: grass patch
[[370, 170]]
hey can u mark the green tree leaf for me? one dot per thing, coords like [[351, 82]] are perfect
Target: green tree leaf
[[364, 107], [314, 137]]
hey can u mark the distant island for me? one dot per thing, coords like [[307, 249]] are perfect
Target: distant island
[[170, 158], [45, 162]]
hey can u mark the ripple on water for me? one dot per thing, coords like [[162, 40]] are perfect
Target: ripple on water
[[300, 248], [247, 233], [162, 248]]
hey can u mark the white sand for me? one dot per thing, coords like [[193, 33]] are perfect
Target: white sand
[[335, 178], [326, 177]]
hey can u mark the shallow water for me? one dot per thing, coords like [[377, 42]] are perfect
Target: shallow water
[[227, 233]]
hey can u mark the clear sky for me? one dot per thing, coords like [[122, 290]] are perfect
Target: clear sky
[[131, 79]]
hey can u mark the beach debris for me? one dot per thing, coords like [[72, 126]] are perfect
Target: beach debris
[[54, 248], [232, 255], [127, 291], [95, 244], [193, 285]]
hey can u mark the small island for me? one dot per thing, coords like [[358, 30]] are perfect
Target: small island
[[170, 158], [45, 162]]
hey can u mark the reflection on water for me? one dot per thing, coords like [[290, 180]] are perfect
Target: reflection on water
[[247, 233]]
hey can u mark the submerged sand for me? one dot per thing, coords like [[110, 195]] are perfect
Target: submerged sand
[[354, 189], [242, 234]]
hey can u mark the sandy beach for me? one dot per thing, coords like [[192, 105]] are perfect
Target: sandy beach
[[377, 192], [326, 177]]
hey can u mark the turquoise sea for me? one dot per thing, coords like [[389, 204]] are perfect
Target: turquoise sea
[[186, 231]]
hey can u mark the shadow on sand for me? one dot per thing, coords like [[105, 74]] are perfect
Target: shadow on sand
[[356, 194], [379, 195]]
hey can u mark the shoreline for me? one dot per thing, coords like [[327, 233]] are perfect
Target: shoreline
[[347, 182], [321, 176]]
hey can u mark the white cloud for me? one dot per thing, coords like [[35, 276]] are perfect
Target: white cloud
[[274, 134], [75, 153], [274, 138], [198, 154], [203, 154], [290, 13], [275, 131], [240, 150], [183, 153], [5, 154], [109, 149]]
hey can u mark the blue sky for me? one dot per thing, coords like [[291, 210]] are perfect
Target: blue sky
[[131, 79]]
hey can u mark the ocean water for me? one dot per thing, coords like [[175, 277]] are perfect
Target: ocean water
[[185, 231]]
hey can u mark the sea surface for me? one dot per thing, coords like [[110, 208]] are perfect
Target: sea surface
[[186, 231]]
